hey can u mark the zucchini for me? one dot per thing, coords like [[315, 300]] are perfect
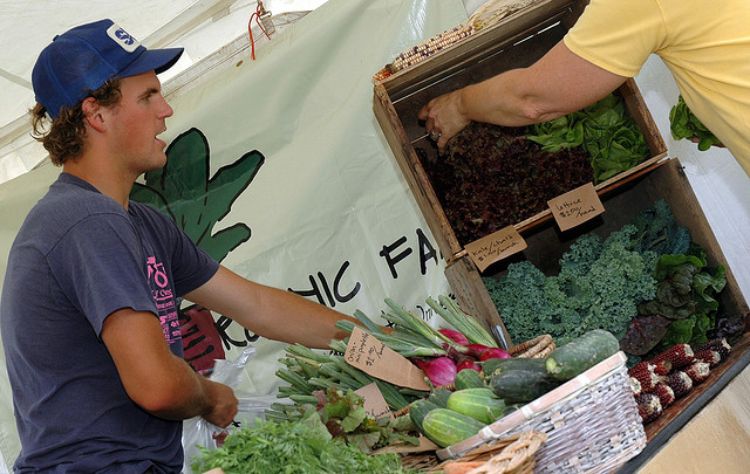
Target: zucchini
[[418, 410], [469, 378], [581, 354], [521, 385], [440, 397], [478, 403], [491, 366], [445, 427]]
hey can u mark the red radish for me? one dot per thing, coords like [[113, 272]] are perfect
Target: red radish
[[467, 363], [494, 353], [454, 336], [476, 350], [440, 370]]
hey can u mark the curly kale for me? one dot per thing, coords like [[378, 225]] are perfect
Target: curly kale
[[600, 283], [599, 286]]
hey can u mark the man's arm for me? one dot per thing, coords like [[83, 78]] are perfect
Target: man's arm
[[269, 312], [158, 381], [559, 83]]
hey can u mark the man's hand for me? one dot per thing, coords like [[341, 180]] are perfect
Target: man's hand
[[444, 117], [223, 404]]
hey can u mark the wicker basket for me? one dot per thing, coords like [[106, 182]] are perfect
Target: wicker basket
[[513, 454], [591, 422]]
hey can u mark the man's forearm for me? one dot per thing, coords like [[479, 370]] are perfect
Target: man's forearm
[[291, 318]]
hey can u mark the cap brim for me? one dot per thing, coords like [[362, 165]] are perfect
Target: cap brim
[[157, 60]]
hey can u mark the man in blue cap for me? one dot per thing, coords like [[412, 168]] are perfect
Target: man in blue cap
[[89, 306]]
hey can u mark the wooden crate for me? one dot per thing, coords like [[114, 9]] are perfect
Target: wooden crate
[[667, 181], [517, 41]]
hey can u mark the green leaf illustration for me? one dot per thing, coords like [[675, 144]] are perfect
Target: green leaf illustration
[[183, 190]]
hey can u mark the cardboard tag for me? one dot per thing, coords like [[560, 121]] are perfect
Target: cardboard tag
[[576, 207], [372, 357], [375, 404], [495, 247]]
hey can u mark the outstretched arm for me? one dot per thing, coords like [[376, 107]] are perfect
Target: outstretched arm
[[269, 312], [559, 83]]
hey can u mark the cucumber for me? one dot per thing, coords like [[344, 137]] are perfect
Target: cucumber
[[440, 397], [445, 427], [469, 378], [521, 385], [478, 403], [581, 354], [491, 366], [418, 410]]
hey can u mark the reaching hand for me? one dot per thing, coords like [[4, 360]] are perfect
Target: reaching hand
[[444, 118], [223, 404]]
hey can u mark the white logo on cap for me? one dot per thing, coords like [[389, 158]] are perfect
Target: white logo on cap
[[123, 38]]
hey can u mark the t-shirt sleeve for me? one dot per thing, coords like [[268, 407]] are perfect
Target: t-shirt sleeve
[[618, 35], [99, 264], [191, 266]]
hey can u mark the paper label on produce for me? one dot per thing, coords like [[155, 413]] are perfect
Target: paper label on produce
[[375, 404], [495, 247], [372, 357], [576, 207]]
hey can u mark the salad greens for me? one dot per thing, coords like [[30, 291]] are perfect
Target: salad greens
[[610, 137], [684, 124]]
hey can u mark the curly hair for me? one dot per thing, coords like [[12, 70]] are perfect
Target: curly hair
[[64, 138]]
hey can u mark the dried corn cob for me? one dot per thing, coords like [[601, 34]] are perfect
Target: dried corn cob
[[635, 385], [698, 372], [422, 51], [644, 374], [679, 382], [665, 394], [649, 406], [680, 355], [719, 345], [662, 367], [709, 356]]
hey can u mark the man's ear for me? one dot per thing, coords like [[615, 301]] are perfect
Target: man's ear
[[93, 114]]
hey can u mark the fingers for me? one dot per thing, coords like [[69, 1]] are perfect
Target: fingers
[[224, 408]]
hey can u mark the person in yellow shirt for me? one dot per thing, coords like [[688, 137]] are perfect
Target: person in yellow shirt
[[705, 44]]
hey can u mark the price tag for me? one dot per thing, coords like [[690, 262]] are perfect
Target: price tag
[[576, 207], [495, 247], [375, 404], [372, 357]]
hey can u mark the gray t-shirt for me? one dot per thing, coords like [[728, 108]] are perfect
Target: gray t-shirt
[[78, 257]]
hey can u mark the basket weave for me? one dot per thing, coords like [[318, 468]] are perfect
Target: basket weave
[[510, 455], [592, 423]]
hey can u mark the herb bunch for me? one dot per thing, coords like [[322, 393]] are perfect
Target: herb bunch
[[302, 447]]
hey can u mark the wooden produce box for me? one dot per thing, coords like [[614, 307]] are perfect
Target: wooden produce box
[[546, 244], [515, 41]]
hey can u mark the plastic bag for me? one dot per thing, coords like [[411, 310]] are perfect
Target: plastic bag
[[197, 432]]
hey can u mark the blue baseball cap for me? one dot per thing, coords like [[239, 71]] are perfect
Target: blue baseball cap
[[83, 58]]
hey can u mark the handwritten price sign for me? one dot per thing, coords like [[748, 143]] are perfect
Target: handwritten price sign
[[576, 207], [372, 357], [495, 247]]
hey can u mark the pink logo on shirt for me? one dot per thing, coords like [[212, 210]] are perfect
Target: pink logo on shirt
[[164, 300]]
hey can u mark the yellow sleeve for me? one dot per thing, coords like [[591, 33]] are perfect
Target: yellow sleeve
[[618, 35]]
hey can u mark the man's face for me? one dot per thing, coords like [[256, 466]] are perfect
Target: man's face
[[135, 123]]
